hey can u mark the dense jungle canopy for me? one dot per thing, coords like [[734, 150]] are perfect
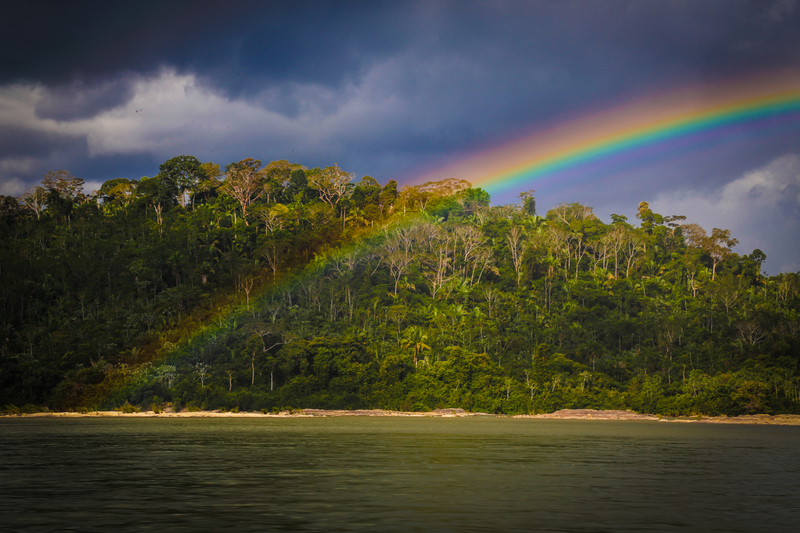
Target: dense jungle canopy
[[259, 287]]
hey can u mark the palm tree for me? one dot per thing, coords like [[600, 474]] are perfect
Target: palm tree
[[415, 338]]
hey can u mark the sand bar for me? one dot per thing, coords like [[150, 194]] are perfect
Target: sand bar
[[563, 414]]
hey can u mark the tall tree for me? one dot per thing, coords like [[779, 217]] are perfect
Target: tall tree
[[184, 171], [516, 245], [244, 183], [332, 184], [718, 245], [34, 199], [65, 184]]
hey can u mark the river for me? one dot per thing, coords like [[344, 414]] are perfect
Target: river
[[395, 474]]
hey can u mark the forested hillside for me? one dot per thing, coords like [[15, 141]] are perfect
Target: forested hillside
[[260, 287]]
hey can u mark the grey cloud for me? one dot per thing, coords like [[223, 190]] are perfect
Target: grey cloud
[[383, 87], [761, 208], [20, 141], [780, 10], [79, 100]]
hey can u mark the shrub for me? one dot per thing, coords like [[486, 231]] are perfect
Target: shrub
[[128, 408]]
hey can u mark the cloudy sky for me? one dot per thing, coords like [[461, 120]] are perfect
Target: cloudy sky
[[398, 89]]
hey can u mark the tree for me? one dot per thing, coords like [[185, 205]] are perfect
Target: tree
[[475, 198], [528, 202], [387, 197], [297, 185], [184, 172], [119, 191], [718, 245], [244, 183], [277, 178], [275, 250], [397, 255], [415, 338], [209, 180], [274, 217], [10, 208], [203, 372], [34, 199], [633, 244], [253, 345], [332, 184], [517, 248], [65, 184]]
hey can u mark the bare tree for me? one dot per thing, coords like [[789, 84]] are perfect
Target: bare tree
[[34, 199], [263, 333], [243, 183], [332, 184], [274, 217], [439, 257], [203, 372], [633, 245], [517, 248], [274, 252], [750, 332], [397, 256], [246, 284]]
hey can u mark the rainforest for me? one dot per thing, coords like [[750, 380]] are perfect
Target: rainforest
[[271, 287]]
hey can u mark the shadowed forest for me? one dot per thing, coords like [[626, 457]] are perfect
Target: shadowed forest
[[268, 287]]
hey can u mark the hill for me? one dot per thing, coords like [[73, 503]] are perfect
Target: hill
[[266, 287]]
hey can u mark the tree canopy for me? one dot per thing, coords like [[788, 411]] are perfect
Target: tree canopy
[[274, 286]]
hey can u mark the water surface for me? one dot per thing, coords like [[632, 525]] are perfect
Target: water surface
[[395, 474]]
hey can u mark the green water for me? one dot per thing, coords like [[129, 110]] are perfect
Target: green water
[[395, 474]]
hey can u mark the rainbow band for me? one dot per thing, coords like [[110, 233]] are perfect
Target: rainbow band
[[624, 129]]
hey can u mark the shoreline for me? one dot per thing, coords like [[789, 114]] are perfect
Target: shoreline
[[563, 414]]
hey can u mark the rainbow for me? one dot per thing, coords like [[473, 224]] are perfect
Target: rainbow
[[664, 120]]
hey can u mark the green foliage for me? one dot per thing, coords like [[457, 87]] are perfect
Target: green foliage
[[305, 289], [128, 408]]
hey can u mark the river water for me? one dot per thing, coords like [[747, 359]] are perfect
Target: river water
[[395, 474]]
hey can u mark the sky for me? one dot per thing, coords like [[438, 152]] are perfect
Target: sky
[[405, 90]]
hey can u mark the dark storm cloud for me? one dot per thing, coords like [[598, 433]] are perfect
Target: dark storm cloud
[[22, 142], [55, 42], [382, 87], [241, 45], [522, 62], [231, 42]]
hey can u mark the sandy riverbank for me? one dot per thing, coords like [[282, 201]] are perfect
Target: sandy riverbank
[[564, 414], [298, 413], [592, 414]]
